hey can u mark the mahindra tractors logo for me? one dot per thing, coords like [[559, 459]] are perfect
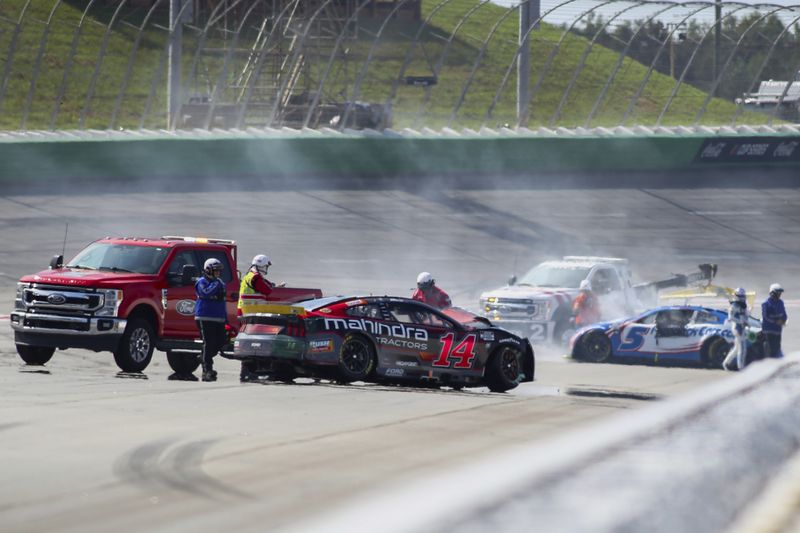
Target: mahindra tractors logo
[[56, 299]]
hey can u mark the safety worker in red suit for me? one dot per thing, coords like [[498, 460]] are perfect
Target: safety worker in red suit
[[739, 320], [586, 307], [253, 296], [428, 292]]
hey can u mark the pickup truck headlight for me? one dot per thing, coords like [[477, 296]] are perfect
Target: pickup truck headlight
[[19, 303], [112, 299]]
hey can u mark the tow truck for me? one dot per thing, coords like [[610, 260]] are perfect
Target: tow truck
[[539, 304], [128, 296]]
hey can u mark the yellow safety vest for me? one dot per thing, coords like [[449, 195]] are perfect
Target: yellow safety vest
[[250, 300]]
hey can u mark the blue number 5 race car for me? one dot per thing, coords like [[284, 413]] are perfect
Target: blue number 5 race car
[[675, 334]]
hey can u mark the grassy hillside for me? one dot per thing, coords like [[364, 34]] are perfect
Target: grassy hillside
[[95, 79]]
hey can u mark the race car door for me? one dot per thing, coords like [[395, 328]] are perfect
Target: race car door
[[660, 334], [415, 341]]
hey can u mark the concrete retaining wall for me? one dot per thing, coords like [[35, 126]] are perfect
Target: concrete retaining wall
[[104, 156]]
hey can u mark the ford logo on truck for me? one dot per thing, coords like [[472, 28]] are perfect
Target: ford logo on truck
[[56, 299], [185, 307]]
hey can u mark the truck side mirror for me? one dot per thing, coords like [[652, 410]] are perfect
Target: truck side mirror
[[188, 274], [57, 262], [512, 280]]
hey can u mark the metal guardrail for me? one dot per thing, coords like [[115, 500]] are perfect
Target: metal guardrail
[[135, 64]]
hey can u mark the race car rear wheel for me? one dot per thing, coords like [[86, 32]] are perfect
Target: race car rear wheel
[[35, 355], [716, 350], [504, 369], [596, 347], [356, 359], [183, 363]]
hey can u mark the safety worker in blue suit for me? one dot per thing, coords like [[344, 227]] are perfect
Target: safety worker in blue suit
[[211, 314], [739, 319], [773, 319]]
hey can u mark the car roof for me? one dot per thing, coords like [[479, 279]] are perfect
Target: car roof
[[318, 303], [166, 242]]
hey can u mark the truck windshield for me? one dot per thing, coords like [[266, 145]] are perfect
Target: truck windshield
[[120, 258], [552, 276]]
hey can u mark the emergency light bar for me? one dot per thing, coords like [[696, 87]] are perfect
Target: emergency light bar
[[201, 240], [595, 259]]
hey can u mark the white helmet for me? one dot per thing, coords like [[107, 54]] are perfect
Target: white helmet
[[776, 288], [261, 262], [740, 294], [425, 280], [585, 285], [212, 264]]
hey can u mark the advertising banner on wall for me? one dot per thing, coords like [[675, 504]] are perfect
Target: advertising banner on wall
[[749, 150]]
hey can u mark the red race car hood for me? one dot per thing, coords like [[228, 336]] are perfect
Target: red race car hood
[[79, 277]]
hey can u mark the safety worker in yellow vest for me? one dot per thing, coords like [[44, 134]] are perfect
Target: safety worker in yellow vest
[[253, 293]]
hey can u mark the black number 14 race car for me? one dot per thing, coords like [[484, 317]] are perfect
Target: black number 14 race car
[[383, 339]]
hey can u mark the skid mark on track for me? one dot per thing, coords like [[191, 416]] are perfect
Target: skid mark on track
[[503, 222], [160, 465], [424, 236], [720, 224]]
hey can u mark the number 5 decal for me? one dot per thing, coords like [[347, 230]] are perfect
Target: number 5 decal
[[464, 351]]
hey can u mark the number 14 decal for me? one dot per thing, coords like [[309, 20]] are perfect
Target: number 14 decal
[[464, 351]]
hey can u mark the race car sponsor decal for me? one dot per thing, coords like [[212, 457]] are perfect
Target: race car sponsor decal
[[633, 338], [378, 328], [510, 340], [395, 372], [407, 363], [487, 335], [402, 343], [353, 303], [463, 353], [185, 307], [320, 346]]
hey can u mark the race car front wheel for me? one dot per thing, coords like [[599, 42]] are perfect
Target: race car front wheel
[[504, 369], [596, 347], [716, 350], [356, 359]]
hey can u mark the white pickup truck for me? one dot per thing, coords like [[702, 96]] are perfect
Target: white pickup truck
[[539, 304]]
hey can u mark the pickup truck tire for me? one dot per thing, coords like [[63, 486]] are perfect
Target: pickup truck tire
[[356, 359], [35, 355], [503, 369], [183, 363], [595, 347], [136, 346]]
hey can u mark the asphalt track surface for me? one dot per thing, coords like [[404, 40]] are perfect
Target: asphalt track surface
[[85, 448]]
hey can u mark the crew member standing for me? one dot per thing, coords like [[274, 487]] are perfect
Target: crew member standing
[[586, 307], [428, 292], [211, 314], [739, 318], [253, 293], [773, 318]]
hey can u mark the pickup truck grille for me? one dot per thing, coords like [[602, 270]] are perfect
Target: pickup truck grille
[[61, 299], [524, 308], [54, 323]]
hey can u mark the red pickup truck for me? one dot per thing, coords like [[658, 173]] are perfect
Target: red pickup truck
[[128, 296]]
